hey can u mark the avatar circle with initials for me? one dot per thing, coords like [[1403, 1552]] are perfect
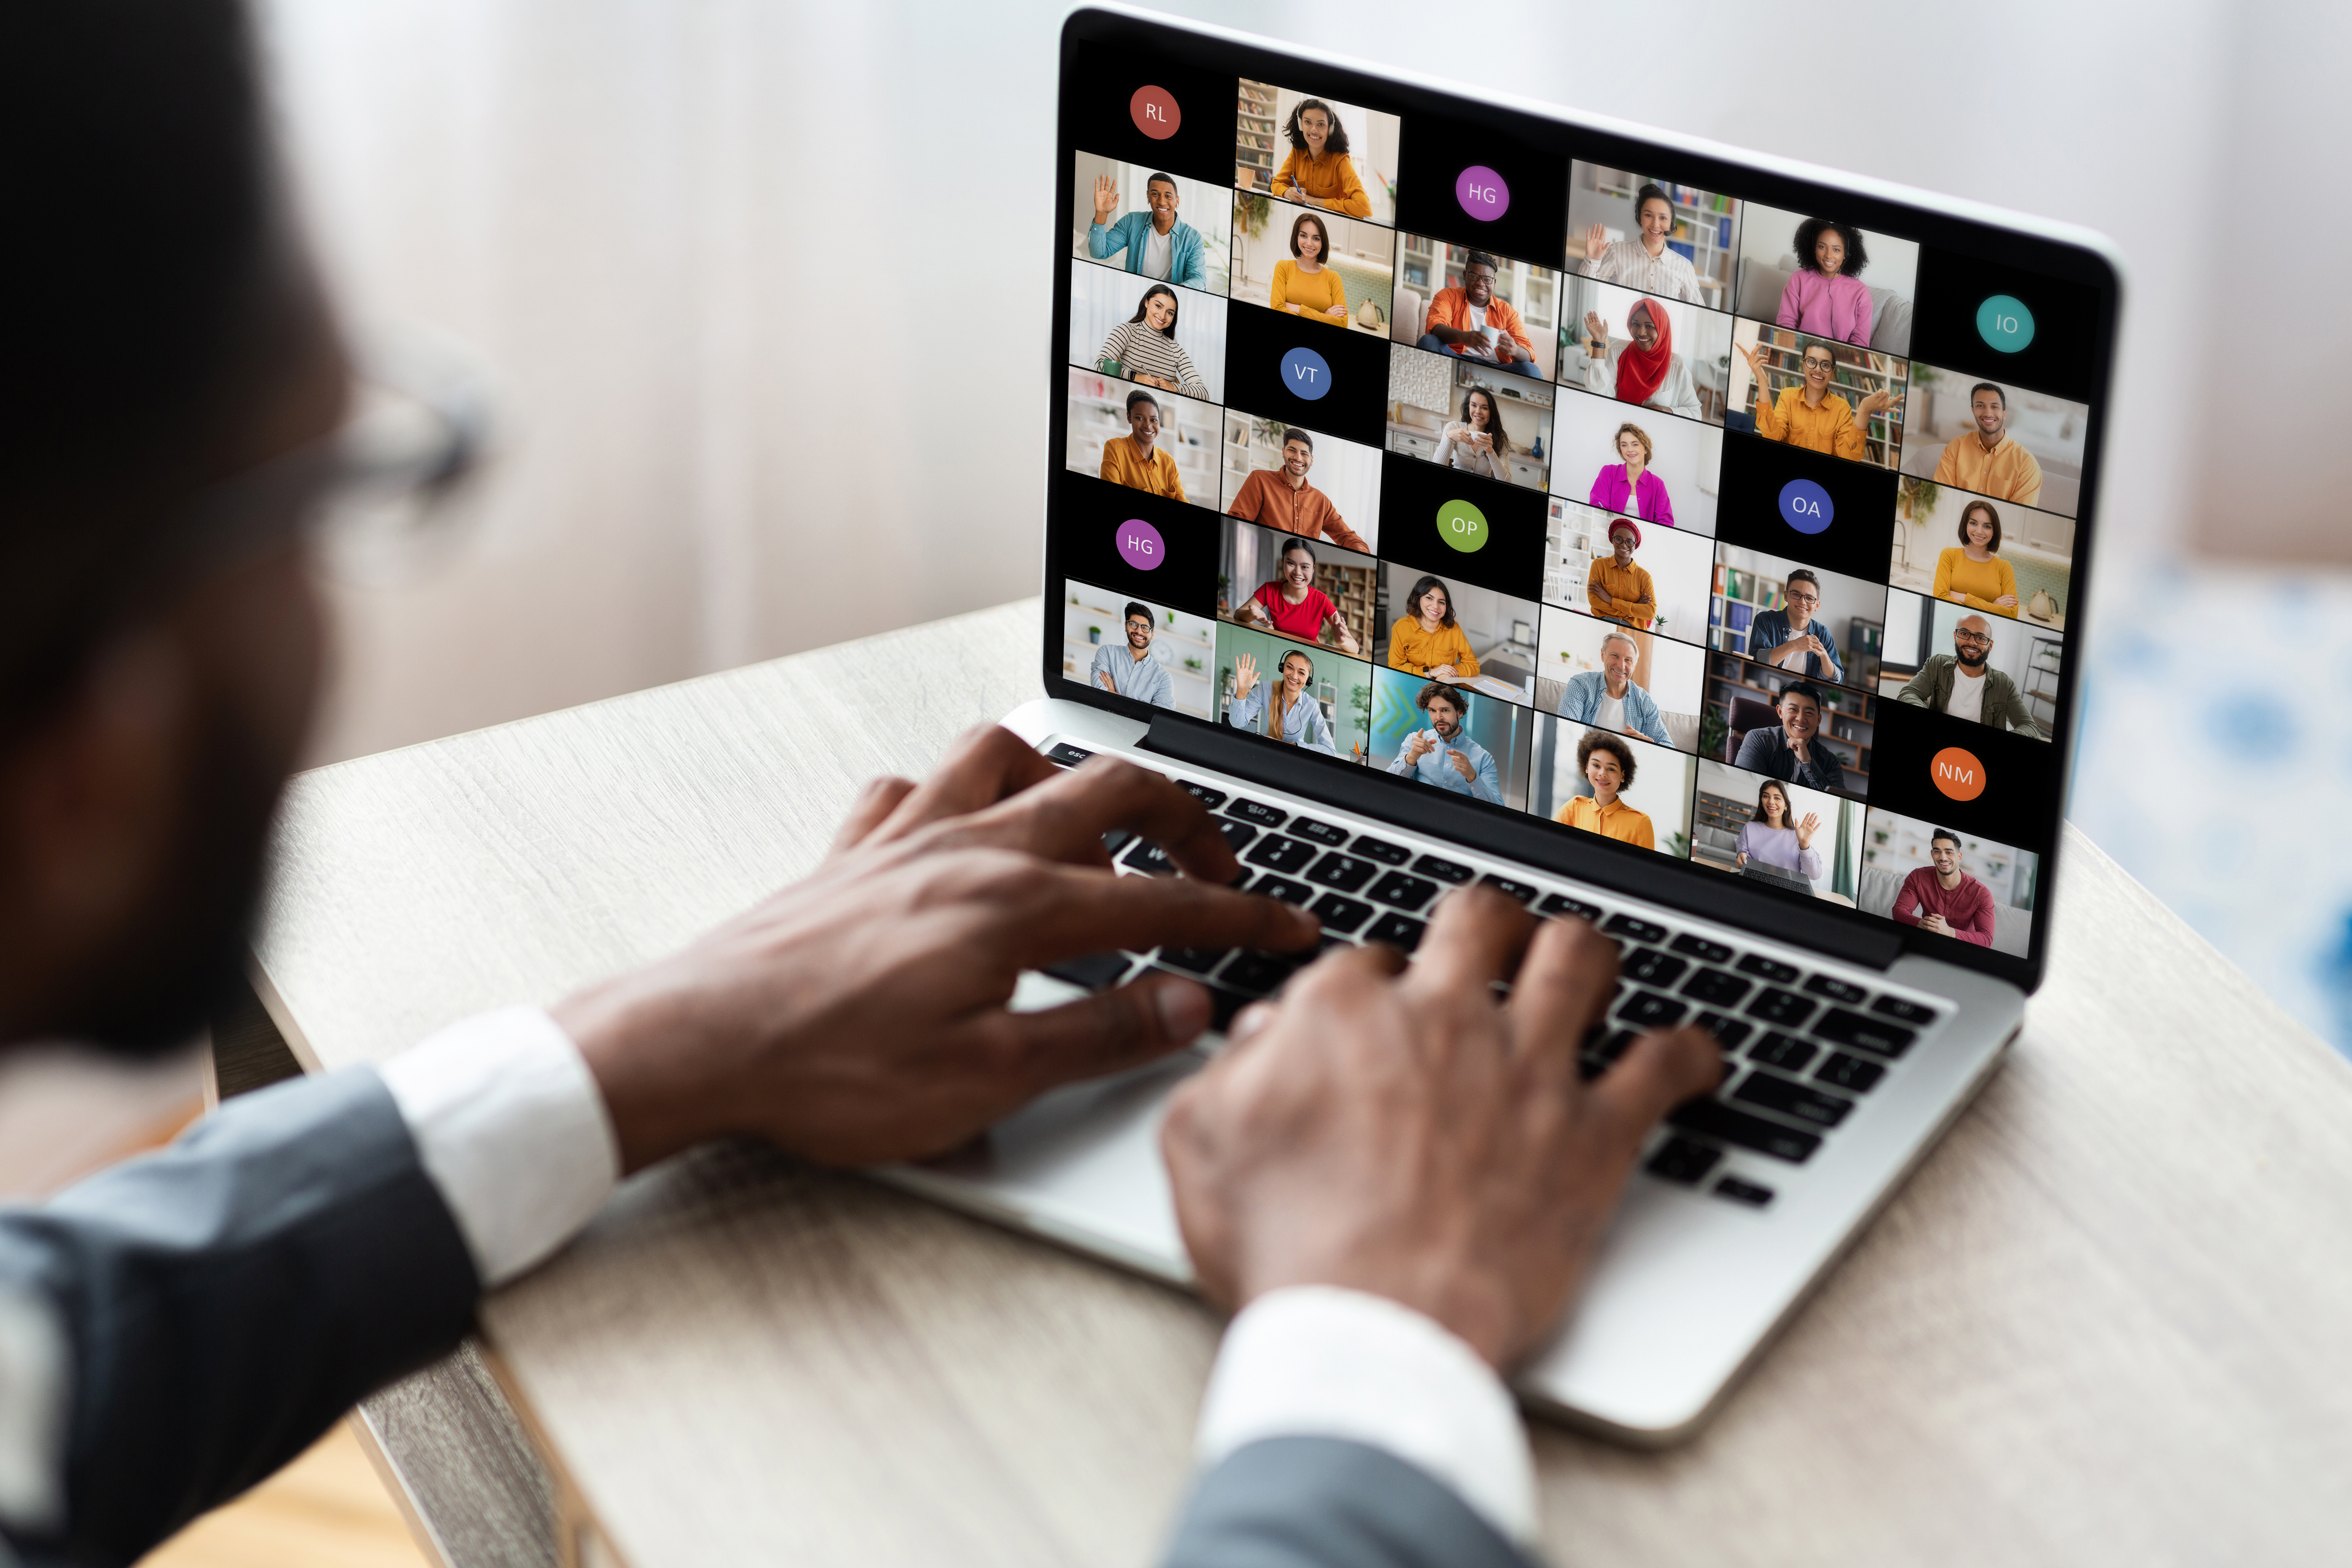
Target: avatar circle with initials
[[1806, 507], [1139, 544]]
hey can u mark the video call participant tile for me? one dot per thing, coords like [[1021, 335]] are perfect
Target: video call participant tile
[[1616, 215], [1154, 334], [1435, 283], [1447, 736], [2002, 324], [1764, 715], [1300, 588], [1971, 664], [1142, 108], [1618, 568], [1859, 417], [1433, 626], [1994, 885], [1459, 525], [1619, 788], [1312, 266], [1291, 477], [1470, 417], [1983, 779], [1823, 275], [1327, 377], [1292, 141], [1115, 207], [1150, 652], [1476, 185], [2028, 554], [1286, 692], [1642, 352], [1619, 677], [1783, 835], [1787, 502], [1637, 461], [1157, 442], [1132, 542], [2005, 442], [1823, 626]]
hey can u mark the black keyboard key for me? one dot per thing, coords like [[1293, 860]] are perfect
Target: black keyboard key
[[1652, 967], [1784, 1007], [1769, 969], [1523, 891], [1283, 888], [1336, 871], [1850, 1073], [1680, 1160], [1066, 755], [1341, 913], [1793, 1101], [1399, 932], [1837, 990], [1874, 1035], [1783, 1051], [1092, 970], [1648, 1010], [1716, 987], [1727, 1032], [1259, 973], [1277, 853], [1698, 947], [1193, 960], [1739, 1192], [1713, 1119], [1904, 1012], [1237, 834], [1382, 850], [1212, 798], [1638, 929], [1561, 904], [1443, 869], [1403, 889], [1150, 860], [1116, 839], [1321, 832], [1257, 813]]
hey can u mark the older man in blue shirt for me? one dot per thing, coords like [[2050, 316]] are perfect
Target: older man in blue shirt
[[1158, 242], [1607, 699], [1444, 754], [1791, 638], [1128, 669]]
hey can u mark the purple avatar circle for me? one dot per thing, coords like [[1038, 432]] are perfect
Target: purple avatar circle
[[1139, 544], [1481, 192]]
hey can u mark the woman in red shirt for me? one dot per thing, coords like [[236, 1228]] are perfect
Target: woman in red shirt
[[1292, 604]]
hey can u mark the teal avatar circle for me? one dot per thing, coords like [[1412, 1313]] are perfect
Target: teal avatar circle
[[1461, 525], [2004, 323]]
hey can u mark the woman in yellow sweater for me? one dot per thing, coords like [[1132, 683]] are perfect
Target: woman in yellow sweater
[[1607, 764], [1426, 641], [1304, 286], [1318, 170], [1974, 575]]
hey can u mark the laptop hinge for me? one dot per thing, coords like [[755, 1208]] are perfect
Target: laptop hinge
[[1516, 837]]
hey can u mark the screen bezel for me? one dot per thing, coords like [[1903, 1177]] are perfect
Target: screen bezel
[[1964, 229]]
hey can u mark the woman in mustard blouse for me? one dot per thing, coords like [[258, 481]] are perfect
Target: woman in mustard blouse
[[1318, 172], [1304, 286], [1607, 764], [1426, 641], [1974, 575]]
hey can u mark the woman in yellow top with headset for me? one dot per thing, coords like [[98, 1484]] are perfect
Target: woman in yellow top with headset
[[1318, 170], [1974, 574], [1304, 285]]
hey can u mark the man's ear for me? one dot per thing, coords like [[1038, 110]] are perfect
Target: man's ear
[[87, 801]]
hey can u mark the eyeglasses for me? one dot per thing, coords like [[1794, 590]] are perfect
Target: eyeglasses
[[1805, 600], [1139, 626], [1812, 364], [1972, 637]]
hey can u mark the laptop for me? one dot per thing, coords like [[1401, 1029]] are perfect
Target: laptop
[[1450, 489]]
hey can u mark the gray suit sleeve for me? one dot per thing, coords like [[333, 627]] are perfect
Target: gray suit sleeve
[[1325, 1502], [227, 1298]]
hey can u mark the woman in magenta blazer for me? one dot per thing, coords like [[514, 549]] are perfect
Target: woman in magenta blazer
[[1627, 486]]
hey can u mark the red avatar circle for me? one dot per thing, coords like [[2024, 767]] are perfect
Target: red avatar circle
[[1154, 111]]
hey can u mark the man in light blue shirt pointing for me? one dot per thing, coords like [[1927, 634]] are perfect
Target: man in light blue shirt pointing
[[1444, 754]]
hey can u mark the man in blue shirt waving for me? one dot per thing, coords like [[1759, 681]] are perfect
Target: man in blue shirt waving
[[1158, 242]]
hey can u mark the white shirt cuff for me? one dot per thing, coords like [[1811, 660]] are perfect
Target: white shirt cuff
[[1320, 1361], [510, 1127]]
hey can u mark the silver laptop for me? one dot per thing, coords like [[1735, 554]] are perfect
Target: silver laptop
[[1448, 488]]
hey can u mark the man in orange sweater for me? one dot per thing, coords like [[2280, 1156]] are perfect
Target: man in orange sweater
[[1472, 322]]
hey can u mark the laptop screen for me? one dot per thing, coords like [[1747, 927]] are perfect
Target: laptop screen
[[1702, 512]]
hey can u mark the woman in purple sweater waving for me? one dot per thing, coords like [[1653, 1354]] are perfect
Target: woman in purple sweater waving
[[1826, 295]]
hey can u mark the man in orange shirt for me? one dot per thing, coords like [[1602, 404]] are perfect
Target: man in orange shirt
[[1809, 415], [1618, 589], [1472, 322], [1281, 498], [1135, 459], [1988, 460]]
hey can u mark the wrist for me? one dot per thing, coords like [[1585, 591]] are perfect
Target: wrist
[[636, 1034]]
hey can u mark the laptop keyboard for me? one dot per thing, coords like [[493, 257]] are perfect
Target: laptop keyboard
[[1802, 1046]]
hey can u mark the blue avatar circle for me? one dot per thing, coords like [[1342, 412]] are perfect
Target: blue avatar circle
[[1307, 374], [1806, 507], [2004, 323]]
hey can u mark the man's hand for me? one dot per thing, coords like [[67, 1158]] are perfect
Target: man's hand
[[1459, 764], [1936, 923], [1394, 1129], [860, 1016], [1418, 746], [1105, 198]]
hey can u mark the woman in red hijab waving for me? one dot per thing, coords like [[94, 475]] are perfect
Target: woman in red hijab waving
[[1645, 371]]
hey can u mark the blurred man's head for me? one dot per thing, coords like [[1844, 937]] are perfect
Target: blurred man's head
[[158, 635]]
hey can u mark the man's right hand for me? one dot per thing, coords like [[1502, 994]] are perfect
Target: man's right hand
[[1392, 1128]]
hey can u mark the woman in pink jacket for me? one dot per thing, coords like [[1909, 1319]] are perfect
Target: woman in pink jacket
[[1627, 486], [1827, 297]]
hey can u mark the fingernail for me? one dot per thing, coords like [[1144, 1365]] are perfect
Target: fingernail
[[1183, 1009]]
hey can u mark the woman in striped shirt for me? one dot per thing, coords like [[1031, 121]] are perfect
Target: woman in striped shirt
[[1145, 349], [1647, 263]]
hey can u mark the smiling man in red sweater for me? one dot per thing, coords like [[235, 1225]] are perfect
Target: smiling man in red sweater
[[1949, 901]]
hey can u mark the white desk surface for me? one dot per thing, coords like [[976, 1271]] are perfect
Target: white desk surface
[[2108, 1321]]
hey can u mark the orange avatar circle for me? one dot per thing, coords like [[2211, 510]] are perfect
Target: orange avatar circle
[[1957, 773], [1154, 111]]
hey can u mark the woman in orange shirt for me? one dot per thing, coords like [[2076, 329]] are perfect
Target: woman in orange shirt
[[1318, 172], [1607, 764], [1304, 286]]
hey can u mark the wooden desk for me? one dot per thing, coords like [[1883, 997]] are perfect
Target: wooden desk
[[2105, 1323]]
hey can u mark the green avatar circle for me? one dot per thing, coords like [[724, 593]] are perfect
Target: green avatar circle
[[1463, 526]]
